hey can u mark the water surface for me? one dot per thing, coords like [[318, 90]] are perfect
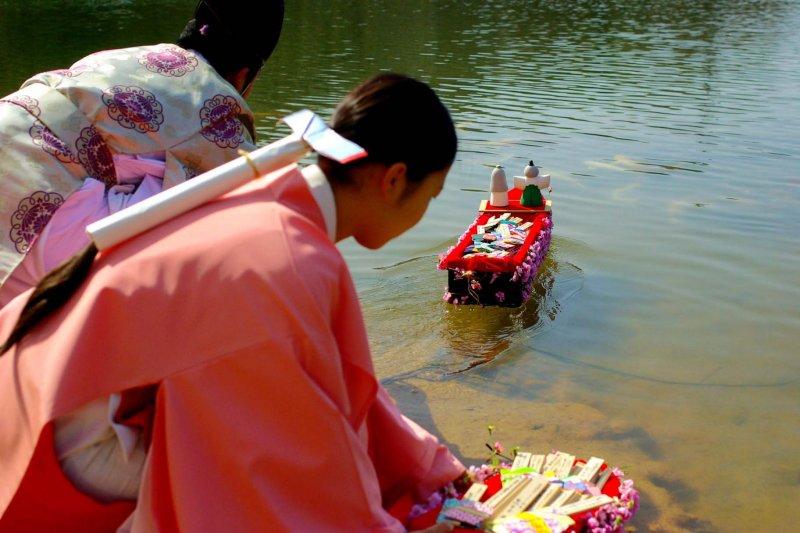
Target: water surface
[[665, 327]]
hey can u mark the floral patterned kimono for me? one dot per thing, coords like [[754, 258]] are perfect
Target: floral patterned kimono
[[65, 126]]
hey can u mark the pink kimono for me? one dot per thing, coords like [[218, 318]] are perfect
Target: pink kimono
[[267, 415]]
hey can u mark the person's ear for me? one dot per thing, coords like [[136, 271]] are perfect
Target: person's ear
[[394, 183]]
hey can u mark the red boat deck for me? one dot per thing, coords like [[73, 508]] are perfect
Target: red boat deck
[[484, 263]]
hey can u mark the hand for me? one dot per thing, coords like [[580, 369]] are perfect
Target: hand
[[443, 527], [462, 482]]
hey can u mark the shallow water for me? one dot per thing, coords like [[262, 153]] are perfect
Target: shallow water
[[665, 327]]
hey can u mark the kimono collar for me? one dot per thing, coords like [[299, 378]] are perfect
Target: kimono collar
[[323, 194]]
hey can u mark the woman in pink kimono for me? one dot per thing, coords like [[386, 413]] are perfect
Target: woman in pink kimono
[[121, 125], [233, 342]]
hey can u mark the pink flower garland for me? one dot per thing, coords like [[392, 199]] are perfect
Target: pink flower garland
[[611, 517], [434, 501]]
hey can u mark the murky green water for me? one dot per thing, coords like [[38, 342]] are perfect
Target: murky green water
[[665, 331]]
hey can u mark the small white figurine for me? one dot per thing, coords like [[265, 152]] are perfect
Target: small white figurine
[[498, 191], [530, 183]]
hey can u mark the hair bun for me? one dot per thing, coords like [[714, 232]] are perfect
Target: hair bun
[[254, 27]]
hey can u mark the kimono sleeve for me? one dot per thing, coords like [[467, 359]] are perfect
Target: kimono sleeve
[[249, 442], [408, 459], [202, 152]]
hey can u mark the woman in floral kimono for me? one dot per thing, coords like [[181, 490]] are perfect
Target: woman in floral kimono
[[121, 125]]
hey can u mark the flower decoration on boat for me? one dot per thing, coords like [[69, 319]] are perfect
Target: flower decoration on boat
[[434, 501], [44, 137], [134, 108], [611, 517], [28, 103], [170, 61], [31, 216], [220, 122], [95, 156], [533, 493]]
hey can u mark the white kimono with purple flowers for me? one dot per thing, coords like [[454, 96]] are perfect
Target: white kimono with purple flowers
[[65, 126]]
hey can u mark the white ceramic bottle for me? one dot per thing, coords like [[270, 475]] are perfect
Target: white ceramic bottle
[[498, 190]]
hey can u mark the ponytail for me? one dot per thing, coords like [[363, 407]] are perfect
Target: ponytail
[[51, 293]]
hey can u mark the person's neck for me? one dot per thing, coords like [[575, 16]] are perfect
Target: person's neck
[[347, 206]]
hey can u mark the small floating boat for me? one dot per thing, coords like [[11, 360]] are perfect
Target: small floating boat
[[553, 492], [496, 260]]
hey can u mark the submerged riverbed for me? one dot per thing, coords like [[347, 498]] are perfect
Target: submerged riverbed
[[665, 326]]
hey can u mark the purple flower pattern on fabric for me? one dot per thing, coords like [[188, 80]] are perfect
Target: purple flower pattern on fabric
[[170, 61], [190, 172], [31, 216], [220, 122], [95, 156], [31, 105], [134, 108], [43, 137]]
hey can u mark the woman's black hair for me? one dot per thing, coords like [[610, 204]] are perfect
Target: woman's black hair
[[395, 118], [51, 293], [234, 34]]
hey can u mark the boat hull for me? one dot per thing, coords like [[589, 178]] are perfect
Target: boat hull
[[480, 279]]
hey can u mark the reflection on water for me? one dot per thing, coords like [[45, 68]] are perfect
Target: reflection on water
[[407, 317], [484, 333], [671, 131]]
